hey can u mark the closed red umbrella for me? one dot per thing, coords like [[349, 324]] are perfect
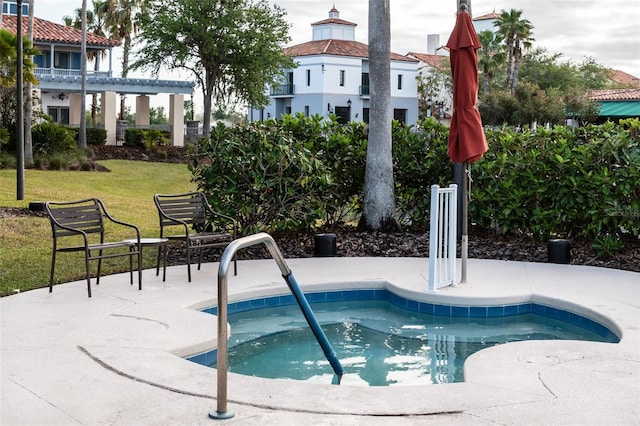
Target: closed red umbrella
[[467, 142]]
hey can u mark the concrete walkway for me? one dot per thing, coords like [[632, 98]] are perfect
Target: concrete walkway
[[116, 358]]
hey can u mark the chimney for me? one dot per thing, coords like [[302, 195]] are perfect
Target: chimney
[[433, 43]]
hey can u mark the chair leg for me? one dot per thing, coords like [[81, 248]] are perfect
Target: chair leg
[[200, 257], [99, 267], [158, 261], [130, 266], [188, 261], [139, 269], [86, 263], [53, 267]]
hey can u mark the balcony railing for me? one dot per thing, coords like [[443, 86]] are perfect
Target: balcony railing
[[283, 90], [364, 90], [71, 72]]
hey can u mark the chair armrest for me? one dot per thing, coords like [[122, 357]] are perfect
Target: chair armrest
[[224, 216]]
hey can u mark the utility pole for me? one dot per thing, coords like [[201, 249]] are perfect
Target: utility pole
[[19, 107]]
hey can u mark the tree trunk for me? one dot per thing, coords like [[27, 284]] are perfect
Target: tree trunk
[[126, 49], [379, 199], [28, 100], [82, 133], [207, 91], [516, 66]]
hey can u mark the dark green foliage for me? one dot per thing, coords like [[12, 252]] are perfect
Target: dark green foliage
[[561, 182], [95, 136], [419, 161], [134, 137], [51, 138], [148, 138], [259, 174], [301, 172]]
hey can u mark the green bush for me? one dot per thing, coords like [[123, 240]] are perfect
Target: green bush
[[419, 161], [302, 171], [147, 138], [560, 182], [259, 174], [134, 137], [50, 139], [96, 136]]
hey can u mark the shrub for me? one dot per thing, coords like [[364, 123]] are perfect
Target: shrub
[[419, 161], [134, 137], [259, 174], [51, 138], [147, 138], [96, 136], [559, 182]]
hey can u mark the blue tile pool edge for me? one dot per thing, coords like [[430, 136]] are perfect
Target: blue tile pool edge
[[451, 311]]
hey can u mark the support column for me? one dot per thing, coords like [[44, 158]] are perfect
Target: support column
[[142, 111], [75, 99], [176, 119], [108, 115]]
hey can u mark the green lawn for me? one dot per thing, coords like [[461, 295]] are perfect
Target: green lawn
[[127, 192]]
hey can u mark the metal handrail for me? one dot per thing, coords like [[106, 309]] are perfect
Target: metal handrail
[[222, 361]]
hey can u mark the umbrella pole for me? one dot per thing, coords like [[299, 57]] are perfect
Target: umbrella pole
[[465, 234]]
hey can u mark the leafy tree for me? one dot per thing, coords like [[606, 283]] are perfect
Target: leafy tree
[[156, 116], [491, 56], [379, 201], [122, 19], [233, 48], [28, 98], [434, 84], [8, 69], [516, 33]]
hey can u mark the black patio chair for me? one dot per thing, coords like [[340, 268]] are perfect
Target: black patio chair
[[193, 215], [79, 226]]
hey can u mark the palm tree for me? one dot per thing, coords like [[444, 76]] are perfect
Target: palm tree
[[28, 99], [96, 24], [379, 202], [516, 33], [492, 55], [122, 21]]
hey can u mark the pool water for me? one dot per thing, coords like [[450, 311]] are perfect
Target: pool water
[[378, 344]]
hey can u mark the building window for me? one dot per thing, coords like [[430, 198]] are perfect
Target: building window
[[400, 115], [399, 81], [365, 115], [59, 115], [287, 110], [341, 78], [308, 77], [306, 110], [11, 8]]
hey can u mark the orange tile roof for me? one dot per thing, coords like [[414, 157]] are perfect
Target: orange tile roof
[[337, 48], [625, 78], [50, 32], [615, 95], [434, 61]]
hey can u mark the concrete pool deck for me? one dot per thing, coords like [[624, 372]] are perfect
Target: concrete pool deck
[[114, 358]]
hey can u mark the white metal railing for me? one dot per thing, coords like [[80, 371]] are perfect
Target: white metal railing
[[70, 72], [442, 236]]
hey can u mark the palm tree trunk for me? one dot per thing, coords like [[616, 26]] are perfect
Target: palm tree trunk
[[379, 200], [28, 100], [516, 66]]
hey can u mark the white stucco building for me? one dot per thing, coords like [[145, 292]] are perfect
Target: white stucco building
[[332, 77]]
